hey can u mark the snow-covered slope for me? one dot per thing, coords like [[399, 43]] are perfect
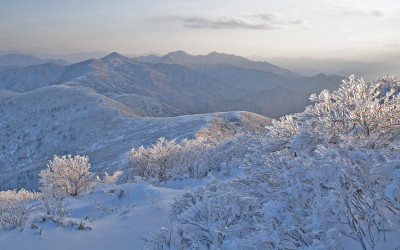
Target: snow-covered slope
[[59, 120], [118, 217]]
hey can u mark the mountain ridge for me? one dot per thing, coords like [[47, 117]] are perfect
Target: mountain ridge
[[175, 89], [62, 119], [184, 58], [21, 60]]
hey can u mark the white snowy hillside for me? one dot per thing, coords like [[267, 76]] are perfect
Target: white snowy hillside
[[324, 178], [177, 88], [60, 119]]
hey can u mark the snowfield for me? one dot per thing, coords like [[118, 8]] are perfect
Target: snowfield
[[118, 215], [60, 120]]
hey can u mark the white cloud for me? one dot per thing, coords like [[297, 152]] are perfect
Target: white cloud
[[264, 21], [369, 8]]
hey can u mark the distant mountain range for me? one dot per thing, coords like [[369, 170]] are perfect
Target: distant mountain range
[[183, 58], [310, 66], [192, 85], [70, 58], [21, 60]]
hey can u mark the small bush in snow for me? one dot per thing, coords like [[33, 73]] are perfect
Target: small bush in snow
[[218, 130], [155, 163], [109, 179], [52, 202], [69, 174], [13, 209], [192, 158]]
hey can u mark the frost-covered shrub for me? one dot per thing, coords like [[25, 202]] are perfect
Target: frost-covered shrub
[[52, 202], [358, 194], [192, 158], [168, 159], [245, 213], [13, 208], [109, 179], [281, 133], [330, 172], [230, 154], [210, 216], [218, 130], [69, 174], [368, 112], [155, 163]]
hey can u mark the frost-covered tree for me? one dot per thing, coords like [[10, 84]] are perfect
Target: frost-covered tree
[[155, 163], [218, 130], [13, 208], [192, 157], [314, 177], [357, 110], [69, 174], [108, 179]]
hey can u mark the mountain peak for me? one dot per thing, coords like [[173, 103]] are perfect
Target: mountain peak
[[179, 53], [214, 53], [113, 55]]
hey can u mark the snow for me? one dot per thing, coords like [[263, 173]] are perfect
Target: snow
[[118, 223], [61, 119]]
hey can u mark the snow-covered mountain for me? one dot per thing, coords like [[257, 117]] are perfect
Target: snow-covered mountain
[[24, 79], [169, 89], [256, 80], [76, 57], [183, 58], [22, 60], [62, 119]]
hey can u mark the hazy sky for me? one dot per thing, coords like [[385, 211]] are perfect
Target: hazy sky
[[294, 28]]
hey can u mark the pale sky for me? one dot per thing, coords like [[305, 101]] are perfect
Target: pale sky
[[265, 28]]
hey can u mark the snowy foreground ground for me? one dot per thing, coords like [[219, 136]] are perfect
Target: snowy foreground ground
[[118, 215]]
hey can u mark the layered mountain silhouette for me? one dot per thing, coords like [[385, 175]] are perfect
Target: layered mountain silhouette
[[183, 58], [21, 60], [186, 85]]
